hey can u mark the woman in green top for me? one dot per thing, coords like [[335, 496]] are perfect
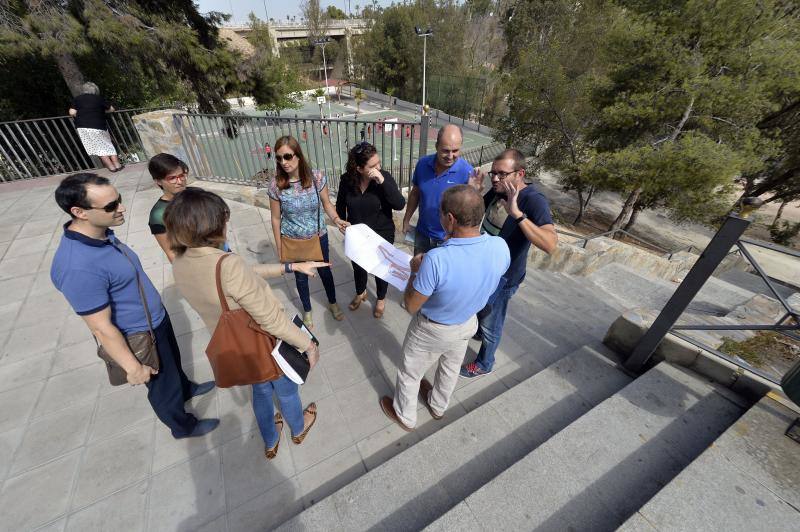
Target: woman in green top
[[170, 175]]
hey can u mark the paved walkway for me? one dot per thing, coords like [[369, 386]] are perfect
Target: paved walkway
[[79, 454]]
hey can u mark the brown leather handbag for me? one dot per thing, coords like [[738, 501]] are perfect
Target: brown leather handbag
[[240, 351], [141, 344], [301, 250]]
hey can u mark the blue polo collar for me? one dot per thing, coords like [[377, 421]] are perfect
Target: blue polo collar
[[432, 165], [80, 237], [465, 241]]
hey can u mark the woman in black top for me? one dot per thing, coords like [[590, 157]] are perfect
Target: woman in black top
[[89, 110], [367, 195]]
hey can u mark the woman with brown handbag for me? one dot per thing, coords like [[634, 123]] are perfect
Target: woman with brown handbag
[[297, 197], [210, 279]]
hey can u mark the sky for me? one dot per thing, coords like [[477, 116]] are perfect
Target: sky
[[275, 8]]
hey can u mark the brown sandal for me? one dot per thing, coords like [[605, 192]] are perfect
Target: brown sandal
[[378, 312], [272, 453], [356, 302], [310, 409]]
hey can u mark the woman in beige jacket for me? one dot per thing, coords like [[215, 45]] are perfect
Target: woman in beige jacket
[[196, 222]]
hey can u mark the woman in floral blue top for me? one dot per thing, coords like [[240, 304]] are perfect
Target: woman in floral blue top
[[293, 199]]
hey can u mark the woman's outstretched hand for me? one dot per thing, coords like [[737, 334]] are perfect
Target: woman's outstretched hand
[[308, 268]]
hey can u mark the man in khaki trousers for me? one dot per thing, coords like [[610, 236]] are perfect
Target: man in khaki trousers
[[448, 286]]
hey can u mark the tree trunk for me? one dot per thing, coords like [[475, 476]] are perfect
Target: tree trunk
[[71, 72], [779, 213], [637, 208], [579, 217], [627, 209]]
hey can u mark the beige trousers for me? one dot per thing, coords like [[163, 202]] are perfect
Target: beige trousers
[[425, 343]]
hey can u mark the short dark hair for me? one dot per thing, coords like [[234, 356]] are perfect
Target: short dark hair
[[163, 163], [465, 204], [71, 192], [196, 218], [515, 155]]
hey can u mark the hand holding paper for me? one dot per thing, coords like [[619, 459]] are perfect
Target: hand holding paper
[[372, 252]]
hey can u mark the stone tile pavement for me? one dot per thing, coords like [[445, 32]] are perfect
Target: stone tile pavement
[[79, 454]]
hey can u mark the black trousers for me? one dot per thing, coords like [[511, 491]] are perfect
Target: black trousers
[[360, 276], [168, 390]]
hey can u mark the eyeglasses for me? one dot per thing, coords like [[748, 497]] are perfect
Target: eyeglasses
[[111, 207], [286, 156], [174, 178], [501, 175]]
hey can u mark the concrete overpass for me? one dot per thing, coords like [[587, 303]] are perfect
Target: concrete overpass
[[284, 33]]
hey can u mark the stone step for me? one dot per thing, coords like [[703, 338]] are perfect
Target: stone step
[[748, 480], [754, 283], [598, 471], [634, 289], [417, 486]]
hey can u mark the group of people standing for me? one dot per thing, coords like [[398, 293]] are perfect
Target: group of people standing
[[469, 257]]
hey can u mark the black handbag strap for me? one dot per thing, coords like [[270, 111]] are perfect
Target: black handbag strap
[[319, 200], [141, 292]]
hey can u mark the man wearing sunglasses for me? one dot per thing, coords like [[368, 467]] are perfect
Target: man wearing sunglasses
[[520, 215], [101, 277]]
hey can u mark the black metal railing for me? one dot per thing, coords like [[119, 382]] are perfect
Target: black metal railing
[[233, 148], [728, 236], [48, 146]]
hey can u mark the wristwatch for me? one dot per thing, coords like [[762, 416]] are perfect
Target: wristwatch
[[287, 267], [523, 217]]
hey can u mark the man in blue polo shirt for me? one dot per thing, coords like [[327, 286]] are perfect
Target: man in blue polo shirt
[[100, 277], [448, 285], [433, 175], [520, 215]]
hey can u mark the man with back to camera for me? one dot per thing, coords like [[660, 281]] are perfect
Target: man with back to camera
[[520, 215], [433, 175], [91, 269], [448, 285]]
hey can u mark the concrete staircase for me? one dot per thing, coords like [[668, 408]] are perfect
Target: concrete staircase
[[576, 444]]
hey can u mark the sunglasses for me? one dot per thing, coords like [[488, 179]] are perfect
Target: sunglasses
[[111, 207], [286, 156]]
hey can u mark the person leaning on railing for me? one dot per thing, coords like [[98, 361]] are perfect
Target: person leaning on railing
[[196, 222], [368, 195], [296, 196], [89, 110]]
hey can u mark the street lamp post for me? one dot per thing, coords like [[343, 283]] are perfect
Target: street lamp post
[[322, 42], [424, 34]]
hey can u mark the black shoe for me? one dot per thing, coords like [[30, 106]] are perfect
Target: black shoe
[[203, 427], [200, 389]]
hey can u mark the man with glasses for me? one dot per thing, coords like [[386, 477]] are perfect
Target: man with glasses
[[433, 175], [520, 215], [103, 281]]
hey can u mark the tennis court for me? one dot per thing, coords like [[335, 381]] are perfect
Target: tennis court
[[237, 148]]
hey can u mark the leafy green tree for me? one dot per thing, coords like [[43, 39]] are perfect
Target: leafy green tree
[[270, 79], [156, 44], [549, 86], [618, 94], [334, 13]]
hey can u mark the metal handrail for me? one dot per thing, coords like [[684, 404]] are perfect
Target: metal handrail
[[730, 234], [613, 232]]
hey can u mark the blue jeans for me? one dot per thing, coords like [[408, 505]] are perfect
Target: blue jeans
[[492, 325], [325, 275], [291, 408], [424, 243]]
